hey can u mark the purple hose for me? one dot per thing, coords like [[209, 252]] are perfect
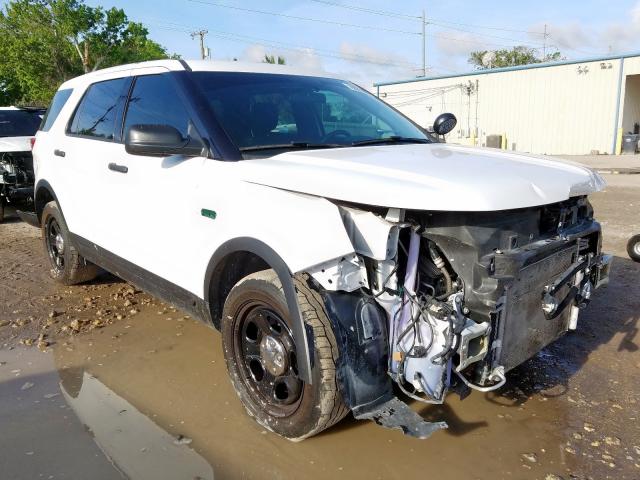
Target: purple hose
[[409, 286]]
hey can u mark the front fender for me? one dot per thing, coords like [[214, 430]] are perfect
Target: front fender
[[266, 253]]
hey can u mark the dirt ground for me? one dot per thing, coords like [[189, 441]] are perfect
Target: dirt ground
[[103, 381]]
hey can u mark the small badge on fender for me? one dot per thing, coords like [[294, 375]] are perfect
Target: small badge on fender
[[208, 213]]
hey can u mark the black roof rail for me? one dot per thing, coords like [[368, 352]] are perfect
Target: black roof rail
[[184, 64]]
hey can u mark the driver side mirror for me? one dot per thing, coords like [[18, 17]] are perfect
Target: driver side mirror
[[444, 123], [160, 141]]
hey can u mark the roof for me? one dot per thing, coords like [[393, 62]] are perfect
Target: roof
[[512, 69], [198, 66]]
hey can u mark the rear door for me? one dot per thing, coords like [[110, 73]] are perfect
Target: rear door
[[93, 142]]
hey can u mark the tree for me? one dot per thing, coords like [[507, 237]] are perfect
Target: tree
[[485, 59], [271, 59], [46, 42]]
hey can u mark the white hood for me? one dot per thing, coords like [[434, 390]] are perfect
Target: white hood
[[425, 177], [15, 144]]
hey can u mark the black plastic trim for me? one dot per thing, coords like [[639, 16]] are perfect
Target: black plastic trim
[[363, 350], [261, 249], [47, 186], [185, 65], [143, 279]]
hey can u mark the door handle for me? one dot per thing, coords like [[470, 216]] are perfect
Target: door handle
[[59, 153], [118, 168]]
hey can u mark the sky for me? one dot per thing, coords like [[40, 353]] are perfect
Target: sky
[[376, 40]]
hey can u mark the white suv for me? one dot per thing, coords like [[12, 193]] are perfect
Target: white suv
[[337, 245]]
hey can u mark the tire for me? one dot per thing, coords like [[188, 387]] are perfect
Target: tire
[[1, 210], [256, 309], [68, 267], [633, 248]]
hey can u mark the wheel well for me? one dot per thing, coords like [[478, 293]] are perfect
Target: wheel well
[[43, 196], [229, 271]]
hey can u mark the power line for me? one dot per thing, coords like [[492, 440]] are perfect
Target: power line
[[369, 10], [387, 13], [277, 44], [488, 35], [484, 27], [306, 19]]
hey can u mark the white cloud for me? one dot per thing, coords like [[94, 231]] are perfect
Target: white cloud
[[303, 57], [574, 38], [364, 65]]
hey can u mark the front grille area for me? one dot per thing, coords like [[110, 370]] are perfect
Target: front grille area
[[521, 323]]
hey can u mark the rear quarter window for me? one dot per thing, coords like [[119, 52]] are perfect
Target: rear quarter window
[[59, 101]]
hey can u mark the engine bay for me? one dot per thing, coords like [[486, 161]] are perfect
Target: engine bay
[[16, 180], [454, 300]]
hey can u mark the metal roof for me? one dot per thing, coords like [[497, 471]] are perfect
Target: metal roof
[[511, 69]]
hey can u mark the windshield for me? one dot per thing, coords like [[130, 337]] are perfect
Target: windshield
[[18, 123], [265, 113]]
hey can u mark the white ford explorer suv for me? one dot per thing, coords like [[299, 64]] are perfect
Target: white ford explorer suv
[[338, 246]]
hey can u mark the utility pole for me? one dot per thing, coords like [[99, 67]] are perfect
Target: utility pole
[[201, 34], [544, 44], [424, 44]]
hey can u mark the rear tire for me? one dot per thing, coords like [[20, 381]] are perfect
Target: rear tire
[[633, 248], [1, 210], [68, 267], [256, 313]]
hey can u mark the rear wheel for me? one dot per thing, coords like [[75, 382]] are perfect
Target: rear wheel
[[262, 360], [1, 209], [633, 248], [67, 265]]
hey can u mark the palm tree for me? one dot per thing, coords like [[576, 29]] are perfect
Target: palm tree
[[273, 60]]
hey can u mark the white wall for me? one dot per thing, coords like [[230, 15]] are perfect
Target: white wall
[[563, 109]]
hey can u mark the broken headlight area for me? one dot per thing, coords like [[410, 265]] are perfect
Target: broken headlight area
[[453, 300]]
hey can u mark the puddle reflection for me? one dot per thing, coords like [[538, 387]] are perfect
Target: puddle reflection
[[138, 447]]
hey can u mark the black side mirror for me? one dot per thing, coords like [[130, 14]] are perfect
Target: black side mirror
[[160, 141], [444, 123]]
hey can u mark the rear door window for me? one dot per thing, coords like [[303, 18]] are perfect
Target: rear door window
[[98, 114], [154, 101], [59, 101]]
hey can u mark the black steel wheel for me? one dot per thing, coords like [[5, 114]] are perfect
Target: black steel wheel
[[262, 361], [266, 355], [633, 248], [54, 242], [67, 265]]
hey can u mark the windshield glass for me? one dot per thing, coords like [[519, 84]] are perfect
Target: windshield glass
[[264, 113], [18, 123]]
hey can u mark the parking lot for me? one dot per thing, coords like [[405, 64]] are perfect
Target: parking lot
[[103, 381]]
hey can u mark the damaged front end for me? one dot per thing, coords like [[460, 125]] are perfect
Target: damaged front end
[[435, 301], [16, 180]]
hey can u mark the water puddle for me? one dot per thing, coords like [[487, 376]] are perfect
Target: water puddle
[[142, 385]]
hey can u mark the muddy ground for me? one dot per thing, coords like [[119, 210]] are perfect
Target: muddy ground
[[102, 381]]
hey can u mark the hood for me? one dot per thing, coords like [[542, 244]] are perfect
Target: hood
[[15, 144], [425, 177]]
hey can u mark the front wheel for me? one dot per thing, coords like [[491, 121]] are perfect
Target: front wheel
[[633, 248], [262, 360], [67, 265]]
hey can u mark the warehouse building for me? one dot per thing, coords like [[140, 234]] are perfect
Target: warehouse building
[[569, 107]]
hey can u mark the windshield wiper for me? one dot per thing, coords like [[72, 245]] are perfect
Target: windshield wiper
[[393, 139], [293, 145]]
